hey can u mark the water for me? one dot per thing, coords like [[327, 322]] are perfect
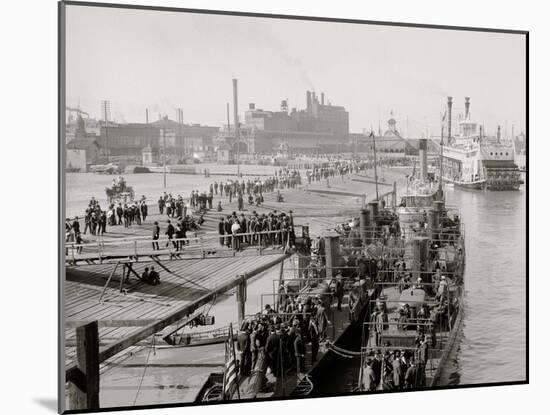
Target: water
[[492, 345]]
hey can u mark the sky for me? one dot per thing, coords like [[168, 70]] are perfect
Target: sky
[[160, 60]]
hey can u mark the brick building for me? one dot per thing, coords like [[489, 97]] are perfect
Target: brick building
[[320, 127]]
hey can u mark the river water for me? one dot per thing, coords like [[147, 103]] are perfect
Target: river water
[[492, 345]]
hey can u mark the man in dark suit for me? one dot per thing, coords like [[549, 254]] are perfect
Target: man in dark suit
[[411, 376], [170, 232], [244, 227], [76, 225], [119, 213], [273, 352], [145, 276], [376, 365], [156, 233], [161, 203], [313, 332], [228, 232], [299, 352], [144, 211], [397, 372], [154, 277], [243, 347], [221, 230]]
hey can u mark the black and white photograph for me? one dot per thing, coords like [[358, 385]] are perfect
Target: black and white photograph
[[261, 207]]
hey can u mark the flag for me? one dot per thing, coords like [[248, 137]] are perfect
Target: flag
[[230, 370]]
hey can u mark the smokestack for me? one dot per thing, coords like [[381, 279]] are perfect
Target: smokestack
[[146, 115], [251, 106], [423, 152], [498, 133], [322, 98], [467, 108], [450, 115], [236, 111], [308, 100]]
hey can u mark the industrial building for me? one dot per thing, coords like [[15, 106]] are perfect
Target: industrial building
[[320, 127], [182, 140]]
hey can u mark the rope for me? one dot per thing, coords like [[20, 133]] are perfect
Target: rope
[[144, 370], [341, 350], [339, 354]]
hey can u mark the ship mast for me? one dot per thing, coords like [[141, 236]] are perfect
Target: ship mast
[[375, 171], [441, 155]]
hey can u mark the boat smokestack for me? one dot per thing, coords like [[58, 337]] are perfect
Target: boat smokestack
[[498, 133], [423, 153], [467, 108], [450, 118]]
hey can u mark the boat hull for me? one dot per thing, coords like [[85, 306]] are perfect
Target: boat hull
[[477, 185]]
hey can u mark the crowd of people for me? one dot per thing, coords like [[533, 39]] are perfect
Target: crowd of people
[[396, 369], [272, 229], [281, 337]]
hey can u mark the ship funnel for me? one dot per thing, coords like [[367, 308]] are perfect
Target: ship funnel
[[450, 117], [498, 133], [467, 108], [423, 153]]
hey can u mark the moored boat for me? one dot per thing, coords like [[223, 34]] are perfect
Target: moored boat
[[413, 324], [473, 160]]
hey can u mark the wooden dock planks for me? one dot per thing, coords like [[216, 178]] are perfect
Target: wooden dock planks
[[187, 281]]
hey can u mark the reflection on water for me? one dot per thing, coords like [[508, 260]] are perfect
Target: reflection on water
[[492, 345]]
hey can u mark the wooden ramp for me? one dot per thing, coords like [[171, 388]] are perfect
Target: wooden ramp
[[121, 314]]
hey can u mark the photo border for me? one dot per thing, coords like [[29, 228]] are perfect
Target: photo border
[[61, 193]]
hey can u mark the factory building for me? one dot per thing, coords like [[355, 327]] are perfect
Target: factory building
[[129, 140], [320, 127]]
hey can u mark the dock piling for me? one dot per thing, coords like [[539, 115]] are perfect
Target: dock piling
[[241, 299], [84, 391]]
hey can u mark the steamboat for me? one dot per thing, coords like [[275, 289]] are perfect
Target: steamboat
[[473, 160]]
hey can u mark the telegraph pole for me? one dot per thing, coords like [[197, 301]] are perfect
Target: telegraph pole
[[164, 154], [236, 122]]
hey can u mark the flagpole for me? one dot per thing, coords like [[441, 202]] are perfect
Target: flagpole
[[225, 370], [235, 359]]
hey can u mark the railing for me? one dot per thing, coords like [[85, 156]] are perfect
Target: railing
[[174, 247]]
